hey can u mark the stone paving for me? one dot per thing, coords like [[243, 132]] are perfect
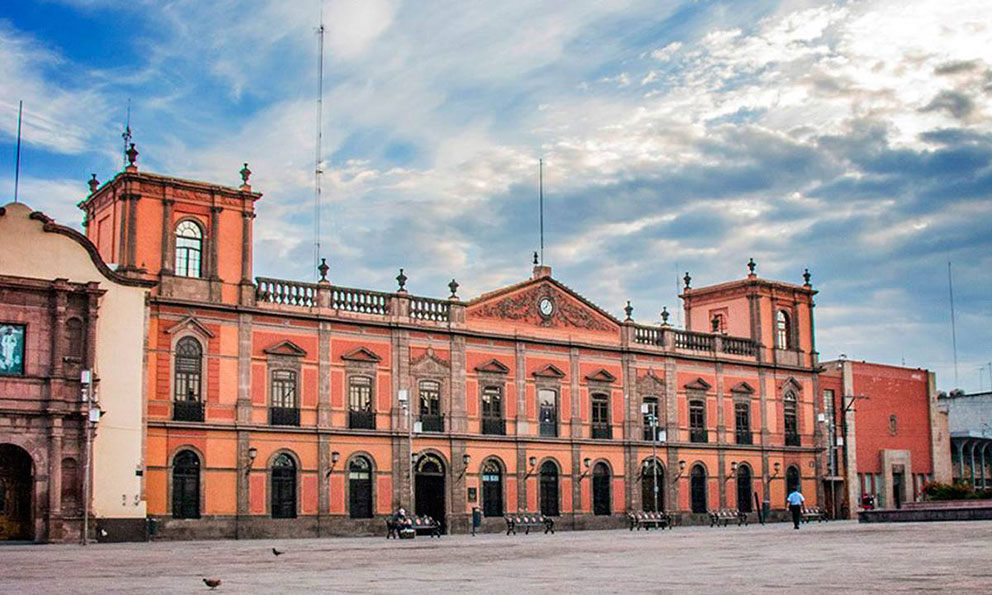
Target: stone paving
[[835, 557]]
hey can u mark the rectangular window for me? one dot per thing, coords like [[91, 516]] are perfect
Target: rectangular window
[[547, 403], [742, 420], [492, 411], [650, 421], [431, 419], [284, 411], [12, 349], [601, 416], [360, 414], [697, 421]]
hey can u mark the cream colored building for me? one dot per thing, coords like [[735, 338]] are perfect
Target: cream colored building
[[65, 311]]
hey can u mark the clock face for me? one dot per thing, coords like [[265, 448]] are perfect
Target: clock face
[[546, 307]]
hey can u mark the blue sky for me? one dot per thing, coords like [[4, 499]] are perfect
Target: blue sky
[[853, 138]]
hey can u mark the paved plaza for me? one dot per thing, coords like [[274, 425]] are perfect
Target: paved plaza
[[832, 557]]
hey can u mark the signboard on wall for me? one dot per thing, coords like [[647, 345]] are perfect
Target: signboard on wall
[[11, 349]]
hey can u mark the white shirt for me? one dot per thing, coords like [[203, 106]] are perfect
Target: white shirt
[[796, 498]]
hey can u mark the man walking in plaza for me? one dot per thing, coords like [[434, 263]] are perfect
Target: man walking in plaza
[[795, 501]]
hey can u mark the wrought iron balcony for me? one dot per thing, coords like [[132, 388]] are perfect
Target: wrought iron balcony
[[494, 425], [284, 416], [187, 410], [745, 438], [602, 430], [361, 420], [549, 428], [697, 435], [792, 439], [431, 423]]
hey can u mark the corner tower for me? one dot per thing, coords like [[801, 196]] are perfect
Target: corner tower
[[193, 238]]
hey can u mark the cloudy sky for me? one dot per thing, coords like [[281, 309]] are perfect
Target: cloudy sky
[[853, 138]]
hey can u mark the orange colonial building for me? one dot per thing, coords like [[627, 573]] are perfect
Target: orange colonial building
[[283, 408]]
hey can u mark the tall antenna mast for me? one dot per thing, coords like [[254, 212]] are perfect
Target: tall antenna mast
[[317, 171], [126, 135], [540, 185], [954, 336], [17, 162]]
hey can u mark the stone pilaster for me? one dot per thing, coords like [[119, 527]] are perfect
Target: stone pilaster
[[721, 438], [215, 285], [167, 236], [457, 407], [523, 427], [324, 375], [575, 393], [764, 436], [132, 230], [243, 405]]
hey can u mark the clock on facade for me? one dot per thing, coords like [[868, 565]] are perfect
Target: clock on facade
[[546, 307]]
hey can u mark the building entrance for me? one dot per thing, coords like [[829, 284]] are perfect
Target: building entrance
[[897, 487], [429, 489], [15, 493]]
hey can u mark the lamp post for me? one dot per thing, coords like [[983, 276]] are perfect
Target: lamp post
[[532, 461], [848, 402], [91, 407], [681, 472], [652, 418], [403, 396], [335, 457]]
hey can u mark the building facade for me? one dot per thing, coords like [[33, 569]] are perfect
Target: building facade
[[885, 436], [63, 361], [970, 421], [281, 408]]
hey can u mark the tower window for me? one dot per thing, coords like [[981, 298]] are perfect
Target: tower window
[[189, 249]]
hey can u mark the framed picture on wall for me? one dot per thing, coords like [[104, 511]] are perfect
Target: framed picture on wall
[[11, 349]]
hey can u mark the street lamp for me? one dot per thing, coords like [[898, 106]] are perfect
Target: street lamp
[[733, 472], [585, 462], [465, 460], [681, 472], [533, 465], [252, 455], [93, 413], [652, 418]]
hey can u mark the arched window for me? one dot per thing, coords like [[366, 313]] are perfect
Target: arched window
[[77, 342], [789, 419], [744, 488], [549, 489], [650, 420], [186, 485], [187, 381], [601, 489], [430, 406], [283, 487], [792, 481], [360, 488], [783, 330], [601, 416], [492, 410], [360, 414], [652, 486], [492, 489], [189, 249], [697, 421], [547, 403], [697, 488]]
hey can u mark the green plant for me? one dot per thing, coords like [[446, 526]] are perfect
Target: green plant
[[943, 491]]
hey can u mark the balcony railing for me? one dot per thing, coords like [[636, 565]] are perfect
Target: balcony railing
[[361, 420], [737, 346], [187, 410], [602, 430], [431, 423], [494, 425], [649, 335], [745, 438], [287, 293], [284, 416], [792, 439], [549, 428], [360, 300], [697, 435], [430, 309], [694, 341]]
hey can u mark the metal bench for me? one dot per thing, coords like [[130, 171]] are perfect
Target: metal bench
[[413, 526], [525, 521], [724, 516], [813, 512], [660, 520]]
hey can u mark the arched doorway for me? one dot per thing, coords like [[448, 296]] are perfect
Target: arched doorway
[[429, 489], [652, 483], [16, 481], [492, 489], [744, 488], [792, 482], [697, 488], [601, 489], [186, 486], [284, 487], [360, 488], [549, 489]]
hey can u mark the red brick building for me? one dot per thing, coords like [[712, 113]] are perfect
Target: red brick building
[[886, 436], [276, 407]]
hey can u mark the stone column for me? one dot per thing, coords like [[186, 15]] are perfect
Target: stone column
[[55, 479], [242, 485], [214, 276], [671, 404], [167, 236], [457, 399], [60, 287], [247, 287]]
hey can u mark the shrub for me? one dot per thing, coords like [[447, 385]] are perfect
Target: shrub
[[943, 491]]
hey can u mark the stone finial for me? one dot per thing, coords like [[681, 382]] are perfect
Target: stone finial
[[323, 268], [664, 315], [401, 279], [453, 286], [132, 156], [806, 276], [245, 174], [687, 279], [628, 310], [535, 258], [93, 183], [751, 265]]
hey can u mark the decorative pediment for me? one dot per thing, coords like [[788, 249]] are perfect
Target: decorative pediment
[[650, 383], [793, 384], [542, 302], [493, 366], [361, 355], [601, 375], [549, 371], [192, 324], [699, 384], [743, 388], [286, 348], [429, 364]]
